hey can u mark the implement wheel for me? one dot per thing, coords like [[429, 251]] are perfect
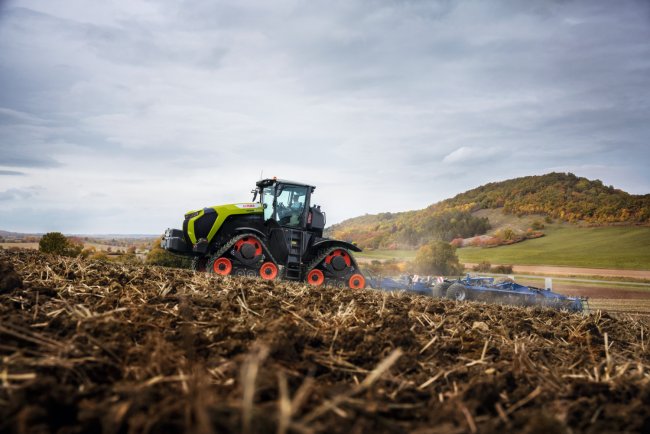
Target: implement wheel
[[457, 292], [439, 290]]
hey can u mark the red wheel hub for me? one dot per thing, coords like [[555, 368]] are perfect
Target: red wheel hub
[[339, 260], [268, 271], [222, 266], [315, 277], [249, 247], [357, 281]]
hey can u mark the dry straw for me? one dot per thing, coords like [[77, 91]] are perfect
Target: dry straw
[[95, 346]]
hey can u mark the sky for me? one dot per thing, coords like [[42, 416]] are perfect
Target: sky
[[119, 116]]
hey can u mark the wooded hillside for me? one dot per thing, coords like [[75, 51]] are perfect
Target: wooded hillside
[[561, 196]]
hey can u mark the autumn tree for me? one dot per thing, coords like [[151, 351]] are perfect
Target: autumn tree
[[437, 257]]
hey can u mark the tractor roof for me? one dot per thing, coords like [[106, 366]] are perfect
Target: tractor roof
[[270, 181]]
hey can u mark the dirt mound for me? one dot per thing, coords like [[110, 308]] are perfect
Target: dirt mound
[[9, 279], [102, 347]]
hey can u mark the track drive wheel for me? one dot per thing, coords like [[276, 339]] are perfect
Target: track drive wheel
[[222, 266], [357, 281], [249, 247], [315, 277], [268, 271], [338, 262]]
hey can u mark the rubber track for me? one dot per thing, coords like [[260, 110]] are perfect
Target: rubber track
[[232, 242], [321, 257]]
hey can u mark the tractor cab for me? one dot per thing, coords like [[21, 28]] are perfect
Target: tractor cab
[[289, 204]]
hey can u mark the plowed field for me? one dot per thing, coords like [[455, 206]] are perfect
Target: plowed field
[[104, 347]]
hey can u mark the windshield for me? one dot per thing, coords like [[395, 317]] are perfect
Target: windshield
[[289, 204], [267, 202]]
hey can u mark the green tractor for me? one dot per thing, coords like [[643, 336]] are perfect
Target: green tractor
[[277, 235]]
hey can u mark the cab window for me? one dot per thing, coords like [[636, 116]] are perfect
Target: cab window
[[267, 202], [290, 204]]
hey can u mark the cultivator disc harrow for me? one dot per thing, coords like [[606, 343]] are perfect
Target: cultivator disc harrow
[[485, 289]]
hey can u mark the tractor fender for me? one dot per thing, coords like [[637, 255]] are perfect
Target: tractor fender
[[257, 232], [335, 243]]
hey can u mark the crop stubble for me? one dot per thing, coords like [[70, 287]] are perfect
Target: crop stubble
[[93, 346]]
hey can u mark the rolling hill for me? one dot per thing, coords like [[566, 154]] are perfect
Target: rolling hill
[[563, 197]]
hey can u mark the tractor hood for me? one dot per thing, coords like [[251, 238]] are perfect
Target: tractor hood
[[204, 223]]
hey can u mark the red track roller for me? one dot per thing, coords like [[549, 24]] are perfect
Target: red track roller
[[357, 281], [315, 277], [269, 271], [222, 266]]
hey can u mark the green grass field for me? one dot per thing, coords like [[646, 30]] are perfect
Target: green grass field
[[606, 247]]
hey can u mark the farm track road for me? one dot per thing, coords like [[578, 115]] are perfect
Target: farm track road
[[574, 271]]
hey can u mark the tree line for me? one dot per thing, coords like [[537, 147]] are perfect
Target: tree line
[[410, 229]]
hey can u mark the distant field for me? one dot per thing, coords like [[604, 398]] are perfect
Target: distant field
[[625, 248], [621, 307], [608, 247], [34, 246]]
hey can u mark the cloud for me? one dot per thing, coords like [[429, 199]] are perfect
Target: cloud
[[471, 154], [159, 107], [17, 194], [20, 158], [11, 173]]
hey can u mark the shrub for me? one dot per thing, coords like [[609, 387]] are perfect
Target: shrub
[[53, 242], [59, 244], [99, 256], [159, 256], [507, 234], [128, 258], [88, 251], [503, 269], [483, 267], [437, 258], [537, 225]]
